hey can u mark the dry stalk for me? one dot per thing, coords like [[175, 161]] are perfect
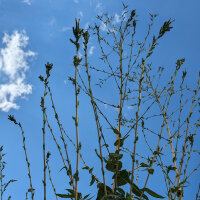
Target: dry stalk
[[186, 135], [86, 38], [69, 173], [31, 189], [50, 178], [136, 125], [44, 151]]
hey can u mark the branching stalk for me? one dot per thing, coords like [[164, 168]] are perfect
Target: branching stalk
[[86, 38]]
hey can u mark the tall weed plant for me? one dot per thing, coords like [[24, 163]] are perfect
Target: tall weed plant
[[164, 122]]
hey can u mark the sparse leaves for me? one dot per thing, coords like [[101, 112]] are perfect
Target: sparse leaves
[[129, 74]]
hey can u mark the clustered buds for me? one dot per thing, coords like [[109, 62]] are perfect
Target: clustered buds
[[77, 34], [12, 118], [48, 68], [166, 27], [86, 37]]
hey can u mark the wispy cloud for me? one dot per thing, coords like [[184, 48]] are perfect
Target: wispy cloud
[[99, 8], [103, 27], [80, 14], [124, 15], [76, 1], [52, 21], [116, 19], [129, 107], [91, 50], [28, 2], [105, 106], [66, 28], [13, 65], [80, 55], [86, 26]]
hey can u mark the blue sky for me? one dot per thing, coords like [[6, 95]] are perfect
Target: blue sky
[[34, 32]]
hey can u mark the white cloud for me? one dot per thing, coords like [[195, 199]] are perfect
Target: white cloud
[[105, 106], [28, 2], [129, 107], [86, 26], [13, 65], [76, 1], [52, 21], [116, 19], [80, 55], [66, 28], [91, 50], [103, 27], [124, 15], [80, 14], [99, 6]]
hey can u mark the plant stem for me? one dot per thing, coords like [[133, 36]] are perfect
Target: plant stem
[[136, 125], [44, 151], [197, 195], [61, 154], [31, 189], [120, 106], [86, 37], [77, 133], [186, 135], [61, 132], [1, 174], [50, 178]]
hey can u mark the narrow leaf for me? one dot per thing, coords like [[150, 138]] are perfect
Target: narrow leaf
[[152, 193]]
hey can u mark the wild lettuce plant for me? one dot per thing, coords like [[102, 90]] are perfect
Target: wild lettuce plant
[[165, 116]]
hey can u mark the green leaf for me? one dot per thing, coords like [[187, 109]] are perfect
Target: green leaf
[[157, 153], [41, 78], [91, 169], [120, 141], [143, 165], [151, 171], [112, 165], [71, 191], [169, 168], [92, 181], [115, 156], [122, 178], [136, 190], [101, 194], [66, 196], [152, 193], [86, 196], [87, 168]]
